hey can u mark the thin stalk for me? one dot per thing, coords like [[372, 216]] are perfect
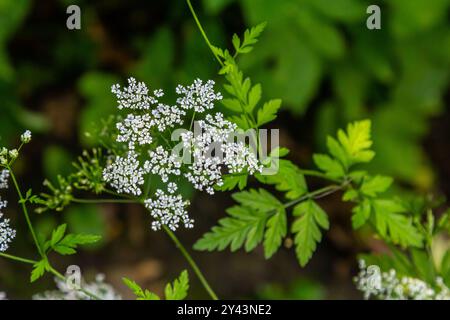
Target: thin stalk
[[191, 262], [16, 258], [77, 200], [25, 212], [313, 173], [199, 25], [317, 194]]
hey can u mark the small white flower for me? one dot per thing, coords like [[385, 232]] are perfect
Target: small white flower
[[135, 96], [162, 164], [7, 234], [125, 174], [214, 150], [14, 153], [4, 176], [169, 210], [26, 137], [135, 129], [172, 187], [198, 96]]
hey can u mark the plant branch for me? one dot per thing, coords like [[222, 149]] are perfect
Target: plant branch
[[16, 258], [203, 31], [191, 263], [77, 200], [25, 212]]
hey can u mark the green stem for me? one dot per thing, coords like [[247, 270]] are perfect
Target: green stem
[[77, 200], [314, 173], [191, 262], [192, 121], [16, 258], [25, 212], [319, 193], [199, 25]]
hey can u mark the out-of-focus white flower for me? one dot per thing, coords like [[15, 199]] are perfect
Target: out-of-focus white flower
[[99, 288], [2, 296], [390, 286], [7, 234], [4, 176], [26, 137]]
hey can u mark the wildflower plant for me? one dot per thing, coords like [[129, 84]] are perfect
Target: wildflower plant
[[212, 141]]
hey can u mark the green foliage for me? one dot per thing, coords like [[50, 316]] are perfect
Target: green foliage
[[261, 217], [306, 227], [66, 244], [288, 179], [177, 290], [39, 269]]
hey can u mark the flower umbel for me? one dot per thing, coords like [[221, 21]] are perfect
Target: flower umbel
[[146, 130]]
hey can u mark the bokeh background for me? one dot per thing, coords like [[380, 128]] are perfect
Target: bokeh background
[[317, 55]]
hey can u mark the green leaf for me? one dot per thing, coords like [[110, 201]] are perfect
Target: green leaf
[[424, 265], [394, 226], [337, 151], [361, 214], [253, 97], [445, 268], [331, 167], [288, 179], [307, 229], [268, 112], [243, 225], [259, 200], [139, 292], [58, 234], [250, 38], [70, 242], [276, 231], [232, 104], [236, 42], [179, 289], [39, 269], [231, 181], [375, 185], [356, 141]]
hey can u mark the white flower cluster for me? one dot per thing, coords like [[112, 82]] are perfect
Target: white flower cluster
[[2, 296], [99, 288], [390, 286], [214, 150], [169, 209], [217, 137], [7, 234], [125, 174], [26, 137], [198, 96]]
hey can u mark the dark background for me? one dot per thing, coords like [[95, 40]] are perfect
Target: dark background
[[317, 55]]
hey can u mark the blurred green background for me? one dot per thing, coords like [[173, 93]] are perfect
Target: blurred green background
[[317, 55]]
